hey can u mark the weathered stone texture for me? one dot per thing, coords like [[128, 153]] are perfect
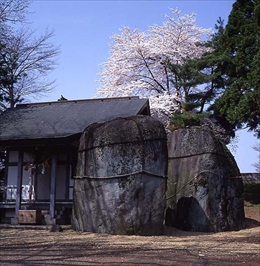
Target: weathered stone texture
[[204, 190], [120, 181]]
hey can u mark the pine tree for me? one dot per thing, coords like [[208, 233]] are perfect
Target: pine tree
[[202, 81], [239, 105], [230, 72]]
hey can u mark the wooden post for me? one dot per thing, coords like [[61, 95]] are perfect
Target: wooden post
[[19, 184], [68, 175], [6, 174], [53, 185]]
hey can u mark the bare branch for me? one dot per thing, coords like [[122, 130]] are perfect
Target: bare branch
[[27, 61], [256, 147], [13, 10]]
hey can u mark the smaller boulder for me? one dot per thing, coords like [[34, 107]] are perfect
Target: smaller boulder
[[204, 185]]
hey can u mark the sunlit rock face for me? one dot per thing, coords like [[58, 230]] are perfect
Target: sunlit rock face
[[204, 188], [120, 181]]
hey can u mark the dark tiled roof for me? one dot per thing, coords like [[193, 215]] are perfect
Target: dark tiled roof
[[64, 118]]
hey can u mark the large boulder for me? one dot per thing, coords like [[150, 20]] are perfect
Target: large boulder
[[204, 188], [120, 182]]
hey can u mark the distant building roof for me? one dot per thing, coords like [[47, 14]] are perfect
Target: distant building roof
[[64, 118]]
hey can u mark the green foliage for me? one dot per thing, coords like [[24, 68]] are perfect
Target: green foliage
[[230, 72], [203, 72], [239, 105], [187, 77], [186, 118]]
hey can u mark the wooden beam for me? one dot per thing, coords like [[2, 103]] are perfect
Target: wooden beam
[[53, 185], [19, 183]]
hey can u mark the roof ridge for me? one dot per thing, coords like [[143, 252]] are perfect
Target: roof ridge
[[80, 100]]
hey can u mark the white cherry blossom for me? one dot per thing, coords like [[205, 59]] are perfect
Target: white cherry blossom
[[139, 61]]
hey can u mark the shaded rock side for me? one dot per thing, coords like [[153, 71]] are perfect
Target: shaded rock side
[[204, 188], [120, 180]]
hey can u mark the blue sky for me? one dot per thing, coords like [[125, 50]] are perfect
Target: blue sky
[[83, 30]]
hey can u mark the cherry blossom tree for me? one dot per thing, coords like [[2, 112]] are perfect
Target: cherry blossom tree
[[140, 62]]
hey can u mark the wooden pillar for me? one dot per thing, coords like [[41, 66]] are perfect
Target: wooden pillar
[[19, 183], [6, 174], [53, 185], [68, 167]]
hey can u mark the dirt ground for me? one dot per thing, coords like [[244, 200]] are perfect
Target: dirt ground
[[175, 247]]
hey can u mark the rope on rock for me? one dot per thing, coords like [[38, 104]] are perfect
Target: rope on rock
[[118, 176]]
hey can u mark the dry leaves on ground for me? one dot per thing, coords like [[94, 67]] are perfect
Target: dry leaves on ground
[[175, 247]]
